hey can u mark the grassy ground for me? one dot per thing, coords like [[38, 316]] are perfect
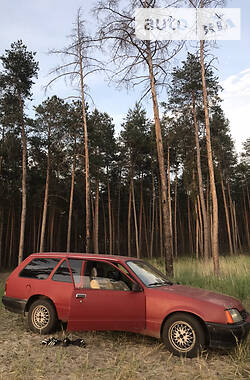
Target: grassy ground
[[124, 356]]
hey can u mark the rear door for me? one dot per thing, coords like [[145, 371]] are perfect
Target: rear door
[[110, 305]]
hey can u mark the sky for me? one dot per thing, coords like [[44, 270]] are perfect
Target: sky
[[46, 24]]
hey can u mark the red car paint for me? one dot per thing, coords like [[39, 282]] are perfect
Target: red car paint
[[140, 308]]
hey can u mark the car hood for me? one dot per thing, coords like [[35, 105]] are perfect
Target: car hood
[[204, 295]]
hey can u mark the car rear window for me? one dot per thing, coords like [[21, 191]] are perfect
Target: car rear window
[[39, 268]]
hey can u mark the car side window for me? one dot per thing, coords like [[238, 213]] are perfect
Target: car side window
[[39, 268], [101, 275], [62, 274], [76, 269]]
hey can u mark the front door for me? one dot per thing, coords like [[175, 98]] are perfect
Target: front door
[[106, 301]]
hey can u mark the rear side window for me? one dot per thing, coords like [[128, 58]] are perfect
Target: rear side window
[[39, 268], [76, 268], [62, 274]]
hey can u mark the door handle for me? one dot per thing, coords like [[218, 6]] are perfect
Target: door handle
[[81, 295]]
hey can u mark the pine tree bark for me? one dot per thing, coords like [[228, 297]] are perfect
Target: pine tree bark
[[201, 237], [71, 202], [246, 216], [190, 232], [237, 229], [46, 195], [197, 227], [215, 220], [24, 180], [169, 196], [165, 210], [227, 216], [110, 221], [118, 218], [140, 217], [104, 227], [152, 219], [96, 217], [11, 245], [232, 219], [200, 181], [86, 151], [51, 229], [161, 227], [135, 220], [145, 228], [175, 217], [129, 220]]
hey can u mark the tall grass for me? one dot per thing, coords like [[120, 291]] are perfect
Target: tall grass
[[234, 278]]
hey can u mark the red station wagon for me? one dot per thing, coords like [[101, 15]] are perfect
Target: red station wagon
[[103, 292]]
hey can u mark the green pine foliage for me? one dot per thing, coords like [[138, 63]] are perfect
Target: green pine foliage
[[116, 161]]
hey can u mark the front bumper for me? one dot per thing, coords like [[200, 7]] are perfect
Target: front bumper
[[225, 336], [16, 305]]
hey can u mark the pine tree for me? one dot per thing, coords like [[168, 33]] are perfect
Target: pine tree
[[16, 79]]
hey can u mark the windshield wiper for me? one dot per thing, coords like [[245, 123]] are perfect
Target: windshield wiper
[[159, 283]]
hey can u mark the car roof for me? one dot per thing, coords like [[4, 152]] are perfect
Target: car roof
[[89, 256]]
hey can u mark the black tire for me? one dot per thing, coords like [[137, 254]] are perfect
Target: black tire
[[183, 335], [42, 317]]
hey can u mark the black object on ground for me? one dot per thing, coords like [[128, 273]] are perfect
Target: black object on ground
[[52, 341]]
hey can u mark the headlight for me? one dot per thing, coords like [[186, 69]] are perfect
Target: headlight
[[233, 316]]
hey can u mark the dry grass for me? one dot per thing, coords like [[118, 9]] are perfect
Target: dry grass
[[107, 356]]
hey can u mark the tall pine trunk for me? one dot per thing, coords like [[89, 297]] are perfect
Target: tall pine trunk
[[167, 241], [152, 219], [96, 217], [175, 216], [135, 220], [129, 219], [86, 151], [169, 197], [246, 216], [110, 221], [226, 215], [215, 219], [46, 195], [24, 179], [71, 202], [200, 181]]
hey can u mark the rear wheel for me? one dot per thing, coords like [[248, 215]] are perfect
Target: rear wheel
[[183, 335], [42, 317]]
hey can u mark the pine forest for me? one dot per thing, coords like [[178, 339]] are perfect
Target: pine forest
[[168, 186]]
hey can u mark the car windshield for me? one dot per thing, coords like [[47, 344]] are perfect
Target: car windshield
[[149, 275]]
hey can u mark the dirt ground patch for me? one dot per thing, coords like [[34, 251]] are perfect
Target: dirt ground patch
[[108, 356]]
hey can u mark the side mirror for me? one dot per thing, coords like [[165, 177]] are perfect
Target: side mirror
[[136, 287]]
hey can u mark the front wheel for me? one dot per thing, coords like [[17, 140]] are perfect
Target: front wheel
[[42, 317], [183, 335]]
